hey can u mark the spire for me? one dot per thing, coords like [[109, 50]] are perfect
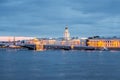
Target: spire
[[66, 34]]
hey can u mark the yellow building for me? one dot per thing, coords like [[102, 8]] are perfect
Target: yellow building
[[74, 42], [51, 42], [109, 43]]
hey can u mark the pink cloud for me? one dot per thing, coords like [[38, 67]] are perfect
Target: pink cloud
[[11, 38]]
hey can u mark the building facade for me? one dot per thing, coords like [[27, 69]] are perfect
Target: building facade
[[109, 43]]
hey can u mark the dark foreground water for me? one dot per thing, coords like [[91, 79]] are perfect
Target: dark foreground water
[[59, 65]]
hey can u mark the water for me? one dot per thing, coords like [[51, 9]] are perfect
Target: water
[[59, 65]]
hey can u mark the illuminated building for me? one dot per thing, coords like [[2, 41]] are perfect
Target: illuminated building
[[66, 34], [108, 43], [75, 42]]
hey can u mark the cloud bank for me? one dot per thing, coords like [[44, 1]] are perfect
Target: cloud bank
[[48, 17]]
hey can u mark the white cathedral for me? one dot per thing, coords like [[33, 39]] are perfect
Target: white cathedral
[[66, 34]]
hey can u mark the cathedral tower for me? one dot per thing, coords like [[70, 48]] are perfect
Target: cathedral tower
[[66, 34]]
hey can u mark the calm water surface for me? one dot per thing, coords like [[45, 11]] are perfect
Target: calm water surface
[[59, 65]]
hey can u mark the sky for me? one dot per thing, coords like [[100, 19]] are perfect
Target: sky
[[48, 18]]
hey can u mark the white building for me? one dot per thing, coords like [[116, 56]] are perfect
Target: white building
[[66, 34]]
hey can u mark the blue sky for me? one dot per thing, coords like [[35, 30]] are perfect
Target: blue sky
[[47, 18]]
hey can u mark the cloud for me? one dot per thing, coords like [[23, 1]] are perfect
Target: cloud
[[49, 17], [97, 6]]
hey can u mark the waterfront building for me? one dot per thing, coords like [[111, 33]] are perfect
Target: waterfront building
[[104, 42], [75, 42], [66, 34]]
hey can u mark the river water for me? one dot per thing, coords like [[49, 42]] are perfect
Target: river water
[[59, 65]]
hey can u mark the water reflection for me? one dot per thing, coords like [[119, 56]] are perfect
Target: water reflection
[[59, 65]]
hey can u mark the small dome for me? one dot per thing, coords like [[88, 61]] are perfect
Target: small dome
[[66, 27]]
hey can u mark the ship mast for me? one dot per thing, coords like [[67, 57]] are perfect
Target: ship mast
[[14, 43]]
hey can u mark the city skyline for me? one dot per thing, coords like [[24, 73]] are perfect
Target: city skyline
[[48, 18]]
